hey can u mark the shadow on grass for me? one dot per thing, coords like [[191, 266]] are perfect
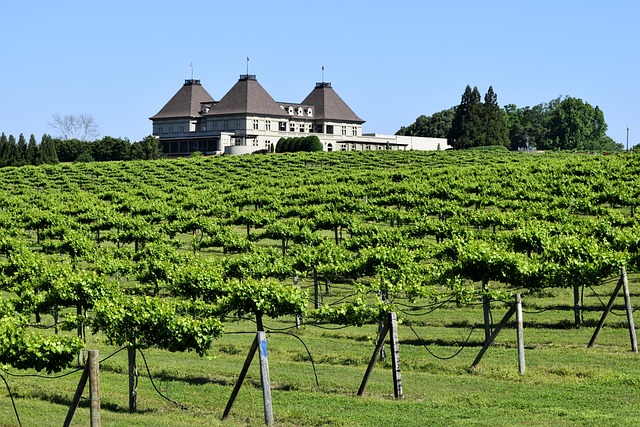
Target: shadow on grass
[[63, 400]]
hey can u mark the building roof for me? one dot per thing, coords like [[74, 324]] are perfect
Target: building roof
[[328, 105], [186, 102], [247, 96]]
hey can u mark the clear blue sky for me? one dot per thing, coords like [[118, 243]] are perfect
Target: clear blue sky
[[121, 61]]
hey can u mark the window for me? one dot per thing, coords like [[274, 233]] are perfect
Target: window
[[367, 147], [225, 124], [237, 124], [343, 147], [256, 124], [290, 110], [300, 113], [344, 130], [292, 127], [170, 129], [214, 125], [330, 129], [267, 124], [354, 131], [302, 127], [309, 112], [353, 146], [282, 126]]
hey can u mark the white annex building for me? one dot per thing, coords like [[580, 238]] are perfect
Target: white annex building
[[247, 119]]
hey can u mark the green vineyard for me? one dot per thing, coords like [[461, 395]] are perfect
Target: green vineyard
[[182, 260]]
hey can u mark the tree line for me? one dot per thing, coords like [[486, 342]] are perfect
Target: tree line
[[564, 123], [19, 152]]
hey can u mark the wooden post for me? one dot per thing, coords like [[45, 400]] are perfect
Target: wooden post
[[493, 336], [316, 302], [605, 313], [76, 397], [374, 357], [264, 378], [295, 283], [486, 309], [81, 335], [133, 376], [629, 309], [94, 388], [243, 374], [260, 344], [576, 305], [520, 335], [395, 356]]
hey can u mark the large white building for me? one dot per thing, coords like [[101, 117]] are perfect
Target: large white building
[[247, 119]]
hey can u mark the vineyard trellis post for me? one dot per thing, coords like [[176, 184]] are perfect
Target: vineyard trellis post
[[516, 308], [576, 305], [295, 283], [520, 335], [259, 344], [91, 373], [390, 326], [133, 376], [486, 310], [81, 335], [623, 283]]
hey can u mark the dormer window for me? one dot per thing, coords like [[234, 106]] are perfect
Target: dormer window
[[309, 112], [300, 111], [290, 110]]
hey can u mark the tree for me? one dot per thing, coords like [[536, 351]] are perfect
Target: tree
[[147, 149], [527, 126], [8, 155], [437, 125], [32, 151], [311, 143], [109, 148], [4, 146], [575, 125], [82, 126], [495, 127], [20, 152], [467, 125], [68, 150], [47, 151]]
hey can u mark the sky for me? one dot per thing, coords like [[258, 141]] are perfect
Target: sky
[[121, 61]]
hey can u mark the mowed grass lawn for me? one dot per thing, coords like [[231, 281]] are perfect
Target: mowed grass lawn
[[565, 383]]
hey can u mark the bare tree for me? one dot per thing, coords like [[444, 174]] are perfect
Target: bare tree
[[81, 126]]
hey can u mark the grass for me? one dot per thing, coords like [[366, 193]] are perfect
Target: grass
[[565, 384]]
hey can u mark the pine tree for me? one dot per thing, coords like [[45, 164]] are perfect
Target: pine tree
[[20, 153], [9, 154], [47, 151], [4, 145], [32, 151], [467, 125], [495, 128]]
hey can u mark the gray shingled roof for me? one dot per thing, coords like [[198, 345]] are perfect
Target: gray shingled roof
[[329, 106], [186, 102], [247, 96]]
